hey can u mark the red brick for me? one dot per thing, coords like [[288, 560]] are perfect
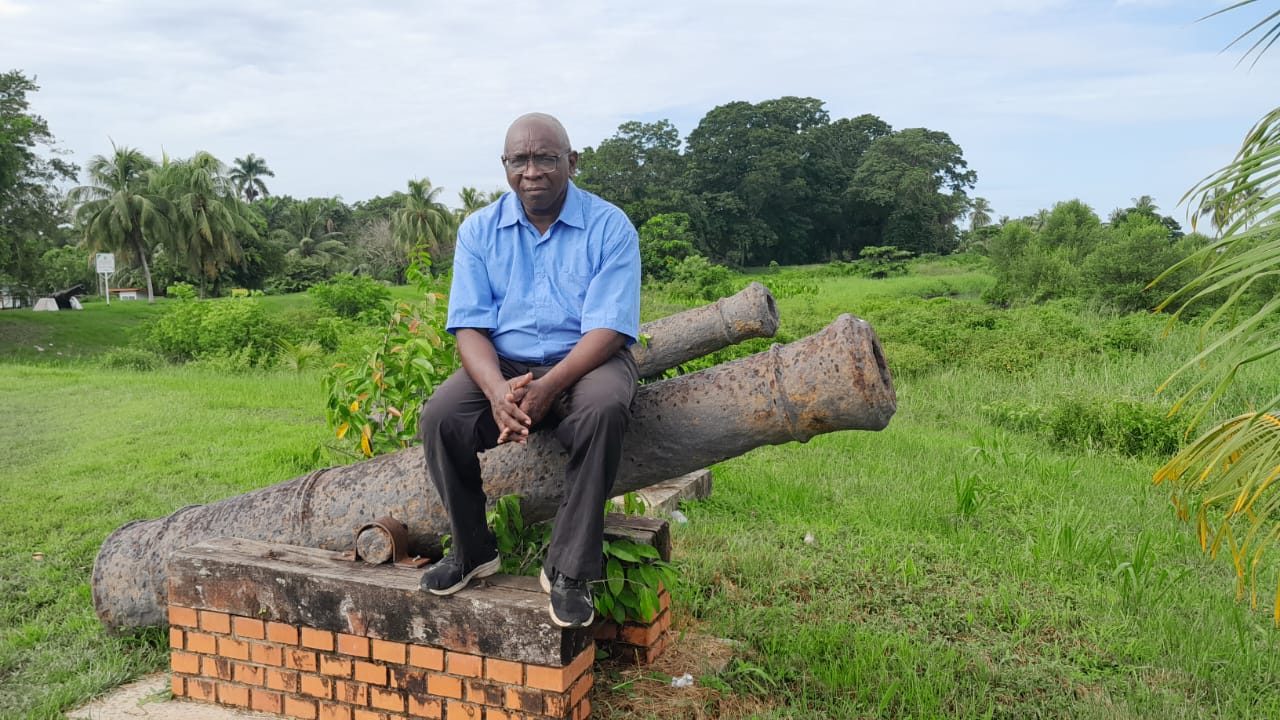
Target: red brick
[[182, 662], [411, 680], [359, 714], [524, 699], [484, 693], [505, 671], [581, 688], [426, 657], [605, 631], [303, 660], [186, 617], [282, 633], [202, 643], [640, 635], [251, 628], [444, 686], [233, 695], [353, 645], [463, 711], [385, 699], [285, 680], [175, 638], [264, 701], [463, 664], [299, 708], [177, 685], [317, 686], [351, 693], [583, 712], [426, 707], [317, 639], [232, 648], [334, 712], [558, 679], [215, 667], [215, 622], [496, 714], [266, 654], [200, 689], [664, 600], [336, 666], [371, 673], [556, 705], [392, 652], [251, 674]]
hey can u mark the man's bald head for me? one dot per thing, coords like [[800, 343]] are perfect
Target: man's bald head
[[542, 124]]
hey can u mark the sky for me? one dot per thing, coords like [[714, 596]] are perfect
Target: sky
[[1050, 100]]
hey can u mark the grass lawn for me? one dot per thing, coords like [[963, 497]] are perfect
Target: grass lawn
[[948, 567]]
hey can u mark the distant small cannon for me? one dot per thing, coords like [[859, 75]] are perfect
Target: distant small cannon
[[836, 379]]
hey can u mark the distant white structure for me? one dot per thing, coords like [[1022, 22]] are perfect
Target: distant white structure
[[46, 304]]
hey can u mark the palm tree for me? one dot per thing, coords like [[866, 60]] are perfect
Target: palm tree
[[307, 231], [1145, 205], [247, 176], [118, 211], [473, 199], [1226, 477], [979, 213], [423, 222], [205, 212]]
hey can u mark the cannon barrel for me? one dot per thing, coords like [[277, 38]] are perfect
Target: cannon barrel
[[836, 379], [678, 338]]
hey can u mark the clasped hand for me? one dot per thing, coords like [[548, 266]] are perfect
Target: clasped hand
[[525, 402]]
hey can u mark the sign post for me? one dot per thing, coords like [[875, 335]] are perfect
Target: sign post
[[106, 265]]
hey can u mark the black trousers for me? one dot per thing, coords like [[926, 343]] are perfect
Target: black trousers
[[457, 423]]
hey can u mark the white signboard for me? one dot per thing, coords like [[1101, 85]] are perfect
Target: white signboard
[[106, 263]]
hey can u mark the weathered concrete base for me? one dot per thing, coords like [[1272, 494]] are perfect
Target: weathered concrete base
[[662, 498]]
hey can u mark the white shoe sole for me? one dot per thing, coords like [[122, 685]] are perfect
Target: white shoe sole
[[479, 571], [564, 624], [544, 582]]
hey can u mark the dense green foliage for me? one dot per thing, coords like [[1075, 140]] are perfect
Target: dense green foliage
[[1071, 253], [350, 296], [780, 181]]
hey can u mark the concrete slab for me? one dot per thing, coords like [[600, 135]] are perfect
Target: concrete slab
[[662, 498], [149, 699]]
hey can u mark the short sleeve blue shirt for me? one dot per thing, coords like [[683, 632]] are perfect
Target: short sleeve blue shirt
[[538, 294]]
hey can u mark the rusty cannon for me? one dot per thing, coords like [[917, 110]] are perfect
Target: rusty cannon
[[834, 380]]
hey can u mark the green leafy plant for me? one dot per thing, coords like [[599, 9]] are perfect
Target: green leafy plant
[[376, 402], [353, 296], [522, 547], [634, 574]]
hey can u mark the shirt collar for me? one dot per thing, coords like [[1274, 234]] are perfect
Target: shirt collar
[[573, 213]]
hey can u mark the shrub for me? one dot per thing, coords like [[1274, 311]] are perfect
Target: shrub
[[130, 358], [696, 278], [216, 329], [181, 291], [350, 296], [665, 241]]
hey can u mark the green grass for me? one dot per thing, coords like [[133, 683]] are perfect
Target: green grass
[[958, 569]]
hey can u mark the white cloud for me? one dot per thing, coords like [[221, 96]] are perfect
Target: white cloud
[[349, 99]]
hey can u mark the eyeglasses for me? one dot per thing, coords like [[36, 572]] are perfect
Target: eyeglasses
[[542, 163]]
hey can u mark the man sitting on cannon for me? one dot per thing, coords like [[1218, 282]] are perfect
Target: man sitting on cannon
[[545, 303]]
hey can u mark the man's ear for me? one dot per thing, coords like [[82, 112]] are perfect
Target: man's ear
[[573, 163]]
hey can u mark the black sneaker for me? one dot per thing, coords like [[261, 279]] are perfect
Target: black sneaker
[[449, 576], [571, 604]]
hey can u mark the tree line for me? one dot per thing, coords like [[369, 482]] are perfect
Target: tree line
[[776, 181]]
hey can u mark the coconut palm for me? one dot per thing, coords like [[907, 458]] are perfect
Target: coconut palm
[[307, 231], [1226, 477], [118, 211], [247, 174], [979, 213], [205, 212], [473, 199], [423, 222]]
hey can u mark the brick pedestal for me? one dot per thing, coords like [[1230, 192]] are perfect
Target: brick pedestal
[[303, 633], [637, 642]]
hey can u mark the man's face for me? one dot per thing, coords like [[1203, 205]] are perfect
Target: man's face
[[541, 191]]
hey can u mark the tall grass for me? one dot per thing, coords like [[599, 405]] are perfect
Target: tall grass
[[960, 565]]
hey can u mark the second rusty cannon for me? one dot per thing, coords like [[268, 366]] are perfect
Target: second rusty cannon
[[836, 379]]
